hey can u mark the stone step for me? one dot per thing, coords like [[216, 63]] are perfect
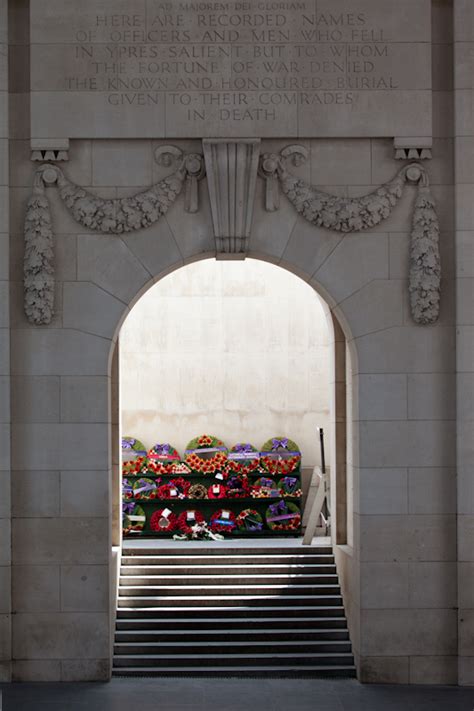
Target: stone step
[[243, 660], [221, 580], [278, 671], [160, 549], [233, 611], [225, 648], [254, 600], [213, 591], [229, 635], [221, 570], [229, 624], [232, 559]]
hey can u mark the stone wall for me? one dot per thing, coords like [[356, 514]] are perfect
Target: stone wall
[[5, 506], [407, 570], [237, 348]]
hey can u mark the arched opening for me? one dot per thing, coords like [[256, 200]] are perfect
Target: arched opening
[[244, 349]]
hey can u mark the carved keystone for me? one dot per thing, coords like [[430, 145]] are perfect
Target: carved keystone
[[231, 167]]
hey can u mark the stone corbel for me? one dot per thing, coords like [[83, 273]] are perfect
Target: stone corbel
[[231, 168], [412, 148], [49, 149], [193, 166]]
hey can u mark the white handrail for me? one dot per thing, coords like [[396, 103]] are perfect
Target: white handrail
[[317, 503]]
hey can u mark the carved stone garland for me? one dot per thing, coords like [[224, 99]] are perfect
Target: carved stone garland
[[115, 216], [344, 214]]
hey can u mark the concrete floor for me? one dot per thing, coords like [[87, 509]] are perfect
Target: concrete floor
[[233, 695]]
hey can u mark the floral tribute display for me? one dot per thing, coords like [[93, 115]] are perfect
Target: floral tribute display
[[249, 520], [283, 516], [175, 489], [163, 520], [214, 493], [237, 486], [197, 491], [163, 453], [133, 518], [127, 489], [243, 459], [265, 488], [133, 456], [206, 454], [280, 455], [144, 488], [217, 491], [223, 521], [187, 519], [290, 486]]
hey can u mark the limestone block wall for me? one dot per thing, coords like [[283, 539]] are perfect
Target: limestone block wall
[[5, 508], [402, 444], [464, 162], [400, 567], [237, 348]]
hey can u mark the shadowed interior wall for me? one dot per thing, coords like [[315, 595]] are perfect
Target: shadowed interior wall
[[237, 349]]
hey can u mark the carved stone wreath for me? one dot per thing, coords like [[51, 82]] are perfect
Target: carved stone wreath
[[123, 215]]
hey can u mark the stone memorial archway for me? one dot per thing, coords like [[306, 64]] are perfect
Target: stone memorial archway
[[317, 171]]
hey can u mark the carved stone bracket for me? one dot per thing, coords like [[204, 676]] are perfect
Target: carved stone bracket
[[412, 148], [193, 165], [231, 167], [50, 149], [268, 170]]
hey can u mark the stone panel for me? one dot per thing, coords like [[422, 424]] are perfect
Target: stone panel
[[58, 352], [124, 71], [383, 491], [44, 484], [85, 669], [412, 632], [38, 541], [407, 538], [60, 636], [384, 670], [36, 399], [35, 588], [76, 490], [65, 445], [414, 443], [34, 670], [433, 670], [84, 588]]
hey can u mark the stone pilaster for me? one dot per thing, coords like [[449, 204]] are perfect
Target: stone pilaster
[[464, 245], [5, 520]]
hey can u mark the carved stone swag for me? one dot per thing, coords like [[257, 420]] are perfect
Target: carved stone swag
[[231, 207]]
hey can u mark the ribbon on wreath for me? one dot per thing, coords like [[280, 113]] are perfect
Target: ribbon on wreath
[[162, 451], [290, 482], [127, 487], [277, 443], [202, 450], [128, 508], [251, 524], [146, 486], [279, 512], [128, 443], [243, 451]]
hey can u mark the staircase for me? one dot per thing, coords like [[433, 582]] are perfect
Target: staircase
[[230, 612]]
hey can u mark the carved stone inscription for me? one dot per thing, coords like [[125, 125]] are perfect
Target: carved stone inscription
[[131, 68]]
